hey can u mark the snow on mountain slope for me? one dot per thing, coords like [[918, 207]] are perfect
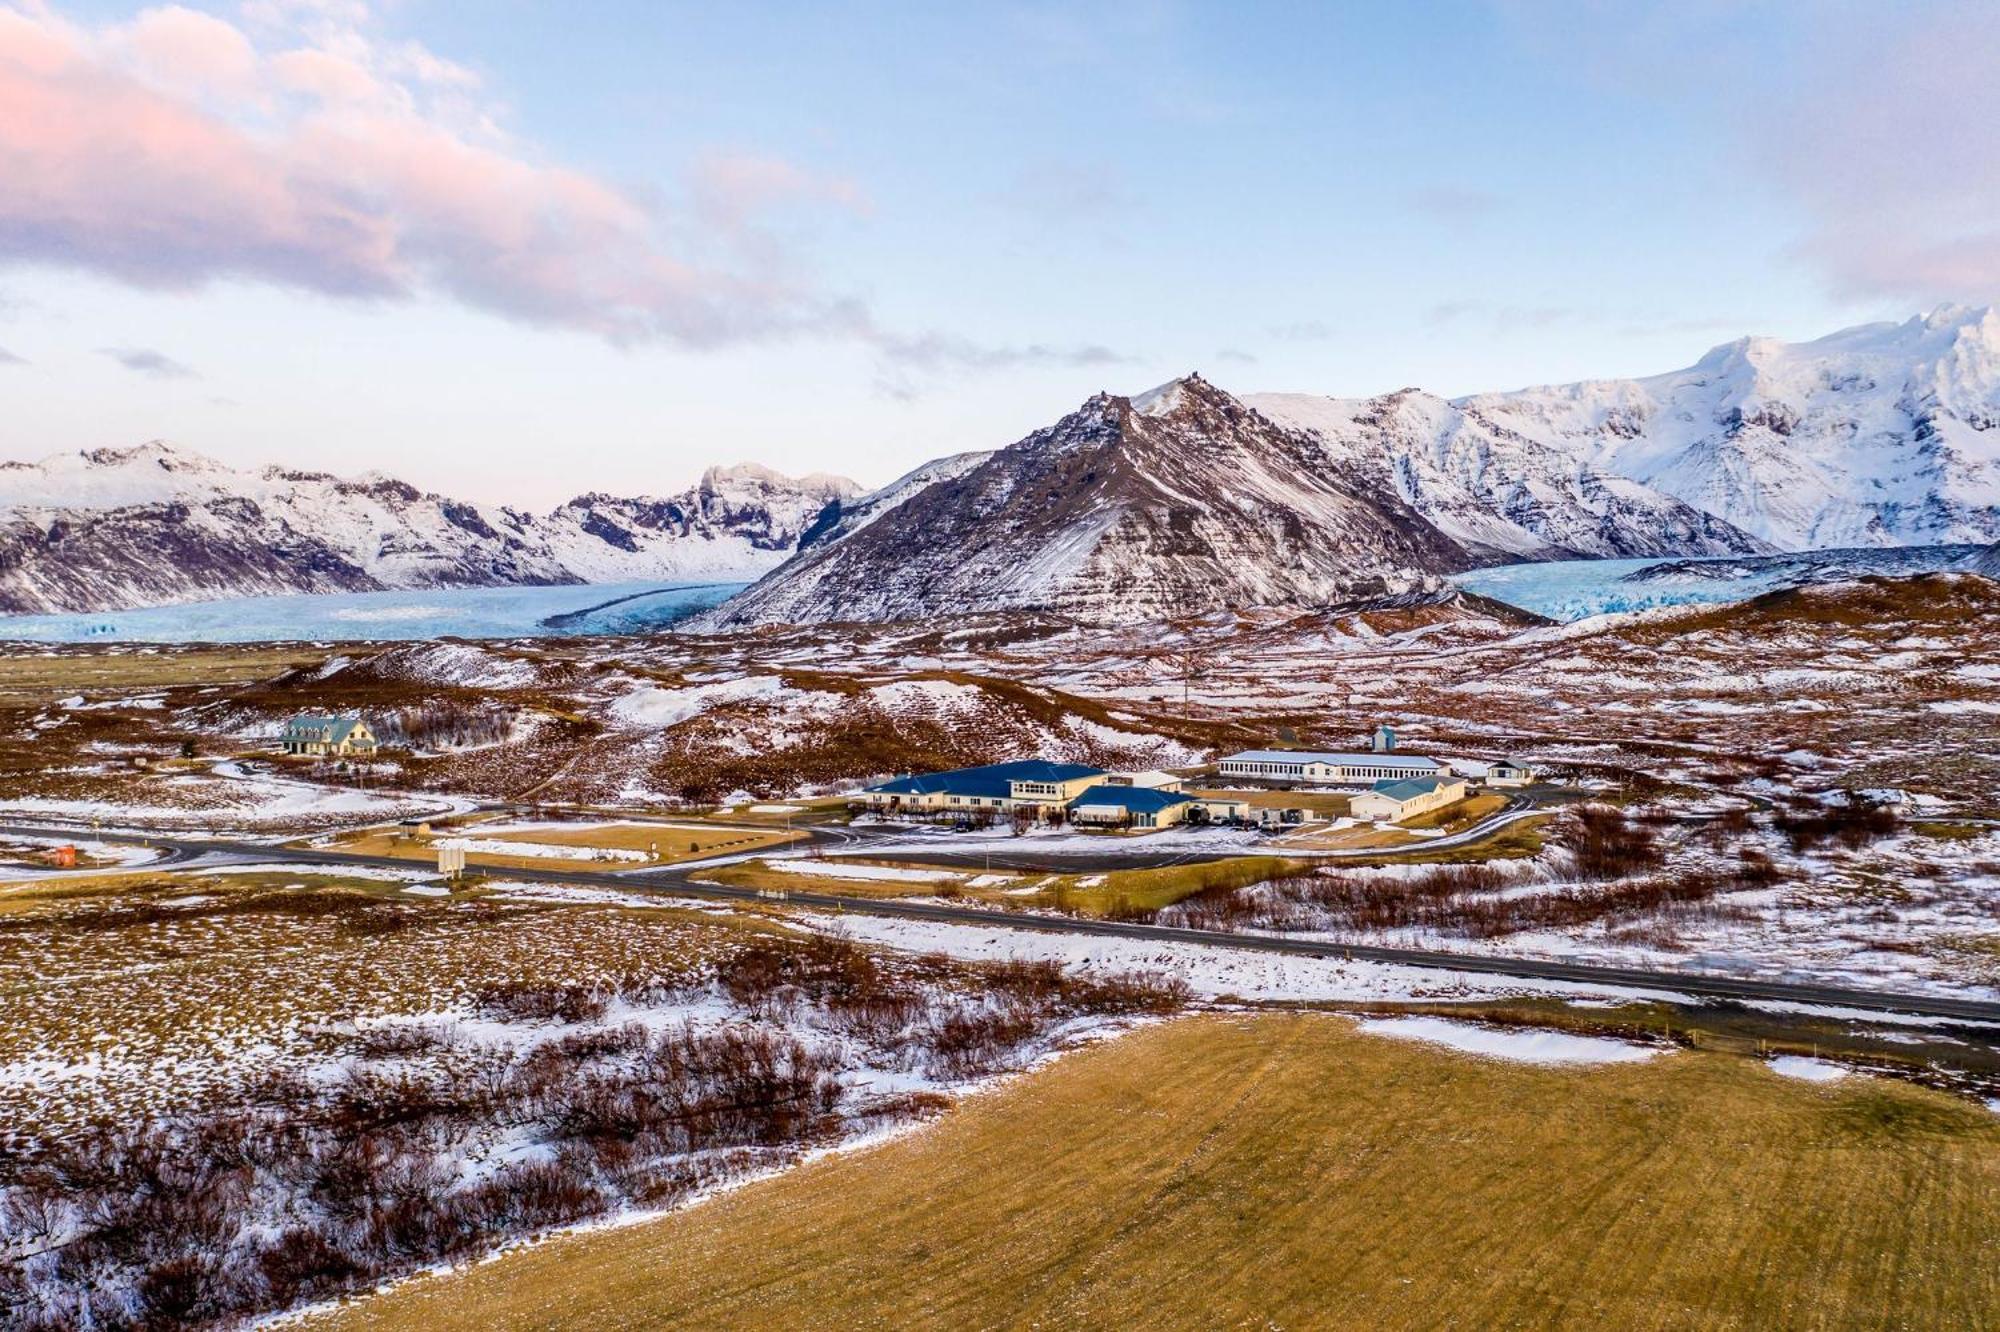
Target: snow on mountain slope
[[1884, 434], [734, 522], [842, 518], [1496, 492], [1180, 501], [113, 528]]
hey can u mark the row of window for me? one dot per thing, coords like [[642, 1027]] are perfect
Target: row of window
[[1256, 769]]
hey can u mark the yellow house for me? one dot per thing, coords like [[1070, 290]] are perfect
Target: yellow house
[[328, 735], [1397, 801]]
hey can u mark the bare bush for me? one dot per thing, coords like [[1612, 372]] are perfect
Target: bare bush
[[1606, 845], [448, 724], [1852, 824], [293, 1189], [541, 1001]]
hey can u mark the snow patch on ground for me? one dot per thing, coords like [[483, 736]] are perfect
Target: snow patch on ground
[[1807, 1070], [1526, 1047], [825, 869]]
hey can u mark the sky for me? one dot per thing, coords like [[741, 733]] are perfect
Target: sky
[[520, 250]]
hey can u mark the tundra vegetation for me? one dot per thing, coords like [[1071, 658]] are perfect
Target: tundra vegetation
[[359, 1145], [1288, 1170]]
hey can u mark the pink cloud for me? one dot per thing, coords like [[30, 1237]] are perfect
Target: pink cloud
[[184, 48], [1890, 150], [170, 152]]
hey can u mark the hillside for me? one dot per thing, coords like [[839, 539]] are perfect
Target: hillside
[[1178, 502], [1879, 435], [1185, 501], [113, 528], [1497, 492]]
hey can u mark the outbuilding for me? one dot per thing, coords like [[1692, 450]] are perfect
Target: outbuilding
[[1395, 801], [1131, 807]]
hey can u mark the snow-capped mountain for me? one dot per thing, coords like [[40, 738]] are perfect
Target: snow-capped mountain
[[112, 528], [1177, 502], [1880, 435], [845, 517], [1501, 495]]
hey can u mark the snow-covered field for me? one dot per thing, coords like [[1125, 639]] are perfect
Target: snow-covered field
[[1052, 841], [833, 869], [231, 800], [1214, 973], [497, 846], [511, 1065]]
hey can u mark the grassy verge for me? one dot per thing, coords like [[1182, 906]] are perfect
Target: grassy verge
[[1460, 815], [1109, 892], [1287, 1171], [1516, 841], [1119, 891], [1950, 832]]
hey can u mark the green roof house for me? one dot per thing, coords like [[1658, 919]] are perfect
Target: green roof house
[[328, 735]]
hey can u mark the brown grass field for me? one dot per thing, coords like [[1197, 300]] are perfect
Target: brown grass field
[[1285, 1171], [33, 676], [1326, 804], [676, 842]]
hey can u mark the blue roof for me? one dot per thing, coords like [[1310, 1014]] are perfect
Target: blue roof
[[1408, 787], [991, 779], [1134, 799]]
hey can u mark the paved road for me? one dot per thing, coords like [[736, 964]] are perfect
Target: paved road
[[675, 882]]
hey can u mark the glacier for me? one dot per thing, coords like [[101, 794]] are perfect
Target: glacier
[[424, 613]]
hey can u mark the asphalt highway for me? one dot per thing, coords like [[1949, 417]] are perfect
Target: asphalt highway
[[677, 881]]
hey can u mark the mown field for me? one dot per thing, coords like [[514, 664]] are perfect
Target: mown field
[[1287, 1171], [666, 843]]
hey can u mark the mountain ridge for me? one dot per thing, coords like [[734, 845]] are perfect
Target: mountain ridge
[[1179, 501], [106, 529], [1881, 434]]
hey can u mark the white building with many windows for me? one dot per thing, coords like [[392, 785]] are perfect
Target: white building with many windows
[[1305, 765]]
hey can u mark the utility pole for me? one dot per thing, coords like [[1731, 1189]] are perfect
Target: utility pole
[[1191, 664]]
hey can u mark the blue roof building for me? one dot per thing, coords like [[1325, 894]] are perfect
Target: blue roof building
[[1034, 784], [1136, 806]]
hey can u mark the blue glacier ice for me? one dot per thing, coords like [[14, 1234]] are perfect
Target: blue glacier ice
[[465, 612]]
